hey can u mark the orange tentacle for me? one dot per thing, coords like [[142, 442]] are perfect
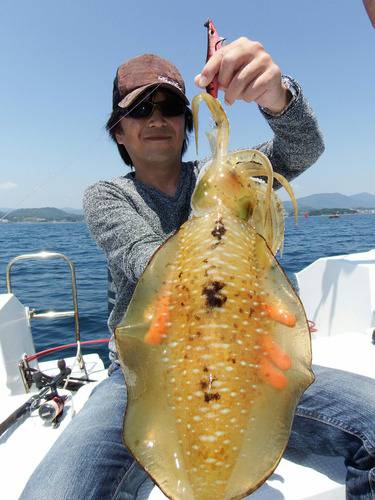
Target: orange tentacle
[[158, 325], [272, 375], [279, 314], [275, 354]]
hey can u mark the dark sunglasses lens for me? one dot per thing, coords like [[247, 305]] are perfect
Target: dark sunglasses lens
[[143, 110], [169, 107], [173, 107]]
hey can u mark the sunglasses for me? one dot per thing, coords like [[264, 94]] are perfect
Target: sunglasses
[[168, 108]]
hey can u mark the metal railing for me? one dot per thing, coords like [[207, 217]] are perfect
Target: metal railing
[[33, 313]]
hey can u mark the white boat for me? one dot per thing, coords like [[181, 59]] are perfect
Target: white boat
[[339, 297]]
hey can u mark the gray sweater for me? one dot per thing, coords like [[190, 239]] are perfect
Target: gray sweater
[[129, 220]]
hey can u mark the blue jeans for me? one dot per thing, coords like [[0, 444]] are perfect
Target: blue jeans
[[336, 416]]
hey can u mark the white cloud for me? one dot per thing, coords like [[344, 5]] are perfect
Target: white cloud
[[7, 185]]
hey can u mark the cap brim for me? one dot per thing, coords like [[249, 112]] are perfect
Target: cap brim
[[130, 98]]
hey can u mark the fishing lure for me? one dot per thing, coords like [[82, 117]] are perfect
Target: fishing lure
[[214, 43], [215, 345]]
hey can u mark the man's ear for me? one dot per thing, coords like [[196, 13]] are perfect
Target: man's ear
[[119, 134]]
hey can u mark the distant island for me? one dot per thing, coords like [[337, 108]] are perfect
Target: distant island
[[46, 214], [333, 203]]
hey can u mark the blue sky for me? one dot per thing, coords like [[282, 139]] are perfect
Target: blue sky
[[59, 59]]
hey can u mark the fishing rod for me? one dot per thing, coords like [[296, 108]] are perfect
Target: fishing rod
[[53, 404]]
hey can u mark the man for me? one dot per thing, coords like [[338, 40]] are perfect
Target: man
[[132, 215]]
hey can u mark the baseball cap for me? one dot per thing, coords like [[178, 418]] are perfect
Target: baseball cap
[[143, 72]]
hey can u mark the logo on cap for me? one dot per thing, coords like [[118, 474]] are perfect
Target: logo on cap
[[165, 79]]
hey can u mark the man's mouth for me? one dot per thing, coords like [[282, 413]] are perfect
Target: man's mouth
[[157, 138]]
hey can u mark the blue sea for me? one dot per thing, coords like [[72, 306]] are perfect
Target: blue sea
[[46, 285]]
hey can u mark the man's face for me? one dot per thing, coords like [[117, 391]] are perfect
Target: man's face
[[154, 139]]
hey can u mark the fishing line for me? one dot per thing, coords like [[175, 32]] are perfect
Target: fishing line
[[59, 171]]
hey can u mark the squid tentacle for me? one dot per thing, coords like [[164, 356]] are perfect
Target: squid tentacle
[[220, 118]]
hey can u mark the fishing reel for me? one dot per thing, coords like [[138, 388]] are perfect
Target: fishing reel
[[51, 409], [48, 402]]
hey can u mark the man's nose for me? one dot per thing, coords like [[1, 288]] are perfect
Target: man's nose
[[157, 118]]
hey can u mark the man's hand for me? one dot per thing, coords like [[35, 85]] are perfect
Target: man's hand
[[246, 71]]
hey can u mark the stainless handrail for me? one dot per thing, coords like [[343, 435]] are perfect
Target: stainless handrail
[[50, 314]]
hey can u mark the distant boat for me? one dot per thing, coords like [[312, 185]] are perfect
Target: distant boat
[[334, 216]]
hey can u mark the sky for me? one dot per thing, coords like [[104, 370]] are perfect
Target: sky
[[58, 61]]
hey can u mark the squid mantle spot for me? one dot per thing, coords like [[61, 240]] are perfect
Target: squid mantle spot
[[208, 396], [213, 294], [219, 229]]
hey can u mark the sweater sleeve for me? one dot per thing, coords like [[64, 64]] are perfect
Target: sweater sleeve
[[126, 238], [297, 141]]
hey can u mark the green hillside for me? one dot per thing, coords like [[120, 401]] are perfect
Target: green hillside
[[45, 214]]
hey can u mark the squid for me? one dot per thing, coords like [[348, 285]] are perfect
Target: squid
[[215, 345]]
